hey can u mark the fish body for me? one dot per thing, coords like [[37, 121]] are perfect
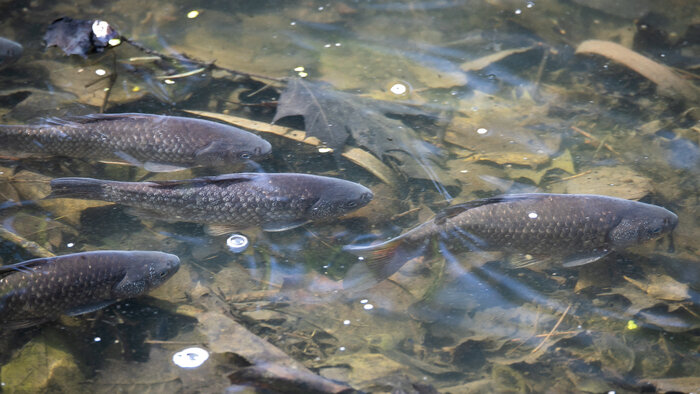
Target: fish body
[[157, 142], [573, 229], [40, 290], [225, 203], [10, 51]]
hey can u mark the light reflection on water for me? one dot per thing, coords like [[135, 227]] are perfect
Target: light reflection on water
[[459, 322]]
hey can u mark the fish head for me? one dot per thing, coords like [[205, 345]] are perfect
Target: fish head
[[146, 271], [234, 148], [338, 198], [641, 224]]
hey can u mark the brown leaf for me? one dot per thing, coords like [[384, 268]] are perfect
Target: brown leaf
[[667, 81]]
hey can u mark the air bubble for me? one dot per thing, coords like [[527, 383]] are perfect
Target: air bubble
[[190, 358], [237, 243]]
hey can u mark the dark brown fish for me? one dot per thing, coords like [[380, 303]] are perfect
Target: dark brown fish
[[40, 290], [158, 143], [225, 203], [573, 229]]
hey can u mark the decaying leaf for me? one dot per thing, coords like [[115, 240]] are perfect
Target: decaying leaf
[[519, 158], [478, 64], [283, 379], [562, 162], [662, 287], [364, 67], [358, 156], [333, 117], [667, 81], [617, 181]]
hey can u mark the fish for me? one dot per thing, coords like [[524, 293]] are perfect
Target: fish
[[159, 143], [10, 52], [225, 203], [41, 290], [573, 229]]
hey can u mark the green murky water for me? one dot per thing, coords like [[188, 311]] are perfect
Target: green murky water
[[477, 98]]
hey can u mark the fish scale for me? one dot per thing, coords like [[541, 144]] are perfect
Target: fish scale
[[573, 229], [41, 290], [227, 202], [139, 139]]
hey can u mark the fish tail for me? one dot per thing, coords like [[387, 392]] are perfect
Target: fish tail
[[85, 188], [380, 261]]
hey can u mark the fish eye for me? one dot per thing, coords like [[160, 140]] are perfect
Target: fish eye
[[351, 204], [245, 155], [163, 274]]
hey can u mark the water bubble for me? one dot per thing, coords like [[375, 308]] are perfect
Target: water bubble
[[237, 243], [190, 358], [481, 130], [518, 11], [192, 14], [97, 339], [346, 322], [342, 348], [70, 244], [532, 215], [399, 89], [364, 301], [100, 72], [530, 4], [368, 307]]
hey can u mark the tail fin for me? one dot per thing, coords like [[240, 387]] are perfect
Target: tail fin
[[84, 188], [380, 261]]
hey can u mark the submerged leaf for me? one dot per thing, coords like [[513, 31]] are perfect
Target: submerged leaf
[[333, 117], [669, 83]]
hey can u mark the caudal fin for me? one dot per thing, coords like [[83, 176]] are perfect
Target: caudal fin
[[379, 261], [84, 188]]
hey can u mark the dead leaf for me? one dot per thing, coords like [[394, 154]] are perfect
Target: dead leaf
[[518, 158], [662, 287], [482, 62], [364, 67], [358, 156], [333, 117], [667, 81], [618, 181]]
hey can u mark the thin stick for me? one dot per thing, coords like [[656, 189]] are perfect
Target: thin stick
[[575, 176], [553, 330], [187, 59], [594, 139]]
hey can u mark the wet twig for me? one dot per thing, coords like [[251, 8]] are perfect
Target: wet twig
[[554, 329], [188, 59], [594, 140]]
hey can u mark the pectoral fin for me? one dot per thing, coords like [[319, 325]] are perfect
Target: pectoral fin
[[89, 308], [581, 259], [282, 226], [160, 167]]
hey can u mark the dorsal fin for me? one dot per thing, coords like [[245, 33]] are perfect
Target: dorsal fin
[[25, 266], [92, 118], [242, 177], [457, 209]]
